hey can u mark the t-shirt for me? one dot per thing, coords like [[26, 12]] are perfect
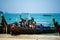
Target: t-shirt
[[41, 28]]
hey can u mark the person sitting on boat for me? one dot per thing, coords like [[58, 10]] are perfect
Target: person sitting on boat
[[41, 27], [30, 25], [20, 23], [32, 19], [24, 23], [27, 23], [56, 25], [34, 24]]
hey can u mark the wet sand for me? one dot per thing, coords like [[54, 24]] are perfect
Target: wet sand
[[29, 37]]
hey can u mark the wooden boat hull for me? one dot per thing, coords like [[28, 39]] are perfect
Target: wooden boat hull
[[20, 30], [1, 29]]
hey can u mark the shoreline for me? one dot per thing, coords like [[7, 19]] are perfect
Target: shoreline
[[28, 37]]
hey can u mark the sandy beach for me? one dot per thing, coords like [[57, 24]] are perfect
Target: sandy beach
[[29, 37]]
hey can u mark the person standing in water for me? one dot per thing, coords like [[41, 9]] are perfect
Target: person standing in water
[[56, 25], [41, 27], [12, 29]]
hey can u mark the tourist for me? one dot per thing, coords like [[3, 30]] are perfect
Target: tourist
[[30, 25], [34, 25], [12, 29], [41, 27], [56, 25], [32, 19]]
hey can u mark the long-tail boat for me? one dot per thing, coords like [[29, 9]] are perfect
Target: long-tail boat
[[24, 30], [3, 24], [28, 30]]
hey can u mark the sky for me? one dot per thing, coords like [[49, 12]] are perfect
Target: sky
[[30, 6]]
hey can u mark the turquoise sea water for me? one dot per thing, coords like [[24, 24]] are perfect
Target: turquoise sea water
[[38, 17]]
